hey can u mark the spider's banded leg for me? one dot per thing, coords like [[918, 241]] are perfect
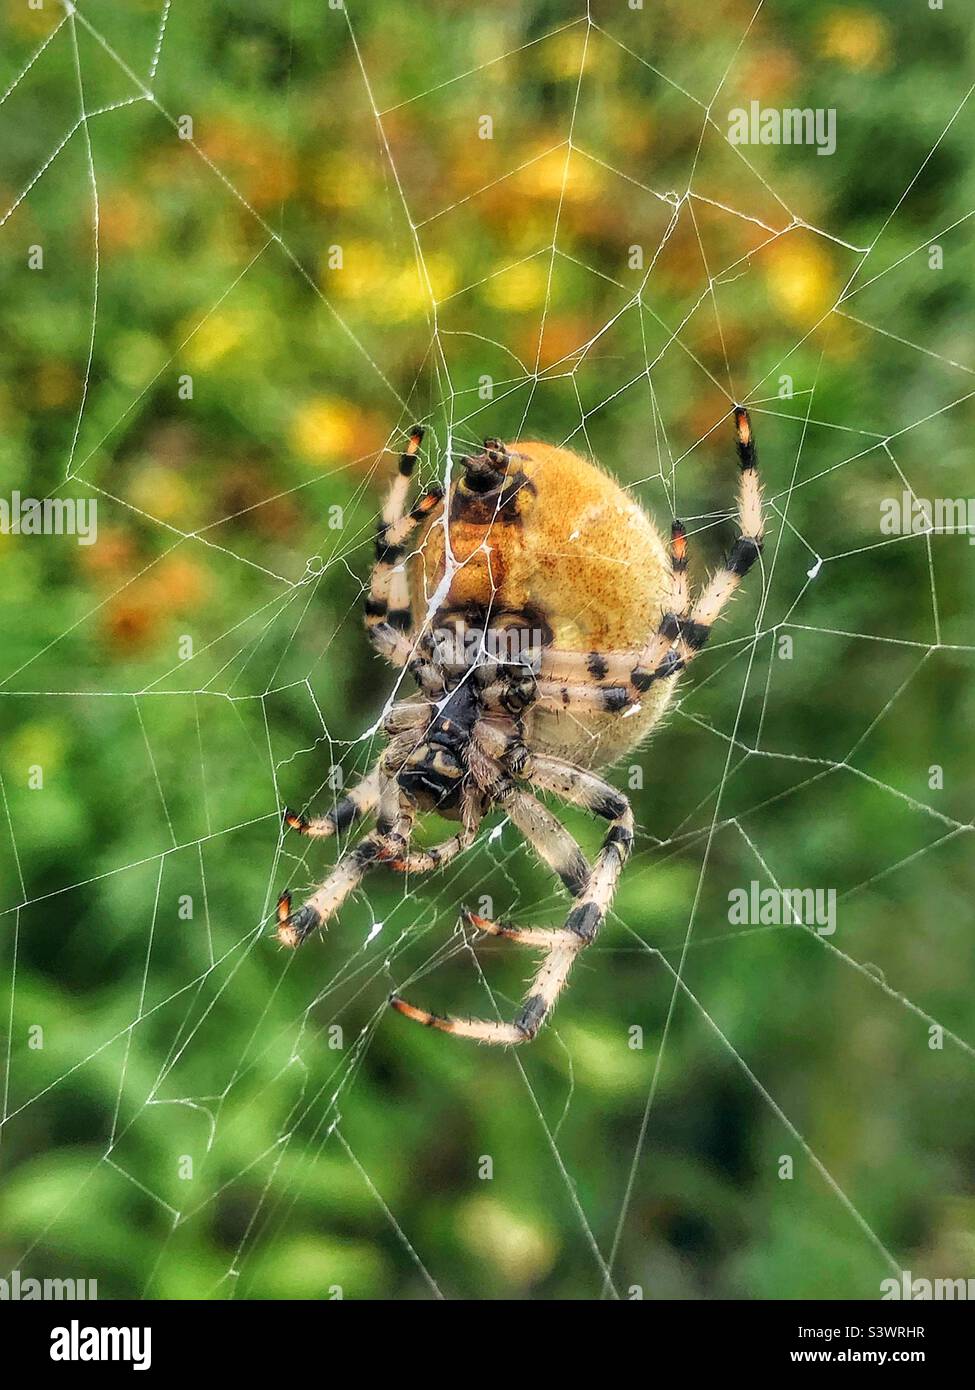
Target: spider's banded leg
[[538, 937], [404, 717], [550, 840], [576, 785], [584, 695], [561, 950], [388, 618], [504, 746], [398, 614], [358, 802], [606, 684], [587, 697], [561, 947], [590, 792], [680, 637], [680, 589], [387, 841], [386, 625], [424, 861]]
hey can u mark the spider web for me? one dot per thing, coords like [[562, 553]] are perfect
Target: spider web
[[220, 1049]]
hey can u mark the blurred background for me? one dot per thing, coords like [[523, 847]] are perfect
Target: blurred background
[[222, 343]]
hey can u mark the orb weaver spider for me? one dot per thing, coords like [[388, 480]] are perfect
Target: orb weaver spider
[[542, 542]]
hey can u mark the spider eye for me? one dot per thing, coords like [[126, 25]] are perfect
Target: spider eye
[[486, 472]]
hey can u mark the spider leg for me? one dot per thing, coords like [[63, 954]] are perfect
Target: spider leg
[[350, 808], [689, 634], [505, 754], [424, 861], [561, 947], [550, 840], [611, 682], [544, 937], [387, 841], [388, 614], [404, 717]]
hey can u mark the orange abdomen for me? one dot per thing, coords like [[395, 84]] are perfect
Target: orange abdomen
[[570, 550]]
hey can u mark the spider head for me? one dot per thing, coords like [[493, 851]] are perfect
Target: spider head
[[486, 471]]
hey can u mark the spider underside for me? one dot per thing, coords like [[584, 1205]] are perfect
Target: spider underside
[[464, 745]]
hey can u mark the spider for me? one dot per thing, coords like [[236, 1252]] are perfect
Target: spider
[[543, 543]]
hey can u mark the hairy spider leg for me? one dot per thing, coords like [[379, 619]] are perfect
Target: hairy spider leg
[[358, 802], [387, 841], [387, 610], [681, 634], [561, 947]]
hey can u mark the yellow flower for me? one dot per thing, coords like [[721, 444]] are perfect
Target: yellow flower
[[223, 331], [858, 38], [521, 1250], [551, 176], [40, 743], [405, 297], [342, 181], [159, 491], [323, 430], [561, 56], [365, 269], [801, 278], [442, 273], [519, 288]]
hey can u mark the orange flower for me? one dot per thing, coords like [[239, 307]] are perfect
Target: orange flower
[[131, 622], [258, 165], [135, 618], [125, 222], [565, 335], [112, 559], [180, 582], [769, 73]]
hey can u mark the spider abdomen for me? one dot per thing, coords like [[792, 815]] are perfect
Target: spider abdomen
[[563, 545]]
